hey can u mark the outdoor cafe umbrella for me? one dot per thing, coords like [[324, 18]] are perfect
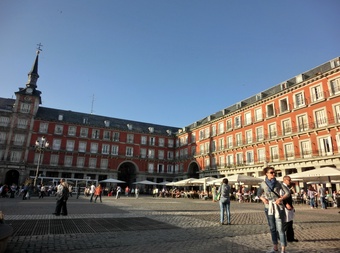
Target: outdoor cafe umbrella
[[184, 182], [320, 174], [112, 180], [146, 182], [238, 179], [164, 183], [203, 181]]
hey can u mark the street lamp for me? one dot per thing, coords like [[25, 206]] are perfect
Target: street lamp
[[40, 145]]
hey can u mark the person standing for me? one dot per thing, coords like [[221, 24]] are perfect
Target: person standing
[[119, 189], [62, 197], [98, 193], [322, 195], [269, 192], [136, 192], [214, 193], [224, 201], [311, 193], [288, 225], [92, 191]]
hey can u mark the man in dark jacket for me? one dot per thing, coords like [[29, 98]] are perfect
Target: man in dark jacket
[[288, 226]]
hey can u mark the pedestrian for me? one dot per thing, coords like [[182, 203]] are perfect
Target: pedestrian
[[136, 192], [269, 192], [322, 195], [127, 191], [98, 193], [25, 193], [70, 189], [92, 191], [119, 189], [78, 191], [42, 191], [62, 197], [311, 193], [288, 202], [224, 193], [214, 193]]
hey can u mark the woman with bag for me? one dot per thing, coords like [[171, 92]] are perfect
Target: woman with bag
[[224, 197], [270, 192]]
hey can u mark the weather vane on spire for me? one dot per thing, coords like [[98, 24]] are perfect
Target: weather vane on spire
[[39, 48]]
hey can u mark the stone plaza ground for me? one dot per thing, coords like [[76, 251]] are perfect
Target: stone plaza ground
[[158, 225]]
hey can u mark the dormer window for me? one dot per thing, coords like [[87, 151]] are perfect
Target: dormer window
[[85, 120], [60, 117], [129, 126], [151, 129], [107, 123]]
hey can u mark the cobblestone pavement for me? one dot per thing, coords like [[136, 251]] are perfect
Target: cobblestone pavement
[[159, 225]]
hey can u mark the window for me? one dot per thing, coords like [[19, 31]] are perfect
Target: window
[[150, 168], [4, 121], [249, 157], [259, 134], [337, 113], [258, 114], [206, 147], [238, 122], [80, 162], [161, 154], [306, 151], [221, 144], [213, 130], [213, 146], [201, 135], [325, 146], [299, 100], [143, 140], [2, 137], [19, 139], [95, 134], [104, 163], [170, 143], [70, 145], [320, 118], [247, 118], [56, 144], [152, 141], [161, 142], [289, 151], [221, 160], [207, 132], [193, 150], [25, 108], [316, 93], [82, 146], [92, 163], [151, 153], [206, 163], [193, 137], [72, 130], [201, 149], [22, 123], [94, 148], [238, 139], [129, 151], [143, 152], [261, 156], [130, 138], [114, 150], [84, 132], [284, 107], [302, 123], [107, 135], [115, 136], [335, 86], [229, 125], [221, 127], [286, 127], [230, 160], [68, 160], [105, 149], [43, 127], [249, 137], [58, 129], [239, 159], [170, 155], [170, 168], [160, 168], [54, 160], [274, 154], [15, 156], [230, 141], [272, 130], [270, 110]]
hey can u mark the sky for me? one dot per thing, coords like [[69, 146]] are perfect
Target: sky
[[159, 61]]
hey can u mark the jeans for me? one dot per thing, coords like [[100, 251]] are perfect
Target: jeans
[[323, 202], [276, 227], [224, 206], [312, 202]]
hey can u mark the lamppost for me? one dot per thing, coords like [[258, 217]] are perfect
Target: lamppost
[[40, 145]]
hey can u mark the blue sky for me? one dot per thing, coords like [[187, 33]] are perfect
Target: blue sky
[[158, 61]]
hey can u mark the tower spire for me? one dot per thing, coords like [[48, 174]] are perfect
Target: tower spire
[[33, 74]]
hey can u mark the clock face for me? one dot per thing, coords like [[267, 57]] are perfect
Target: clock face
[[29, 90]]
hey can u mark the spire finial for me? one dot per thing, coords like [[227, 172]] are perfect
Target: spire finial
[[39, 48]]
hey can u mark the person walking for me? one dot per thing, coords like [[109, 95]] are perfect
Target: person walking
[[98, 193], [92, 191], [62, 197], [269, 192], [78, 191], [119, 189], [311, 193], [322, 195], [214, 193], [288, 223], [136, 192], [224, 192]]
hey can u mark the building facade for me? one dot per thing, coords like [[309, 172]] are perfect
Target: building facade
[[293, 126]]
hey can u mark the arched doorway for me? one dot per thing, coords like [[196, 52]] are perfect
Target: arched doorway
[[193, 170], [127, 173], [12, 177]]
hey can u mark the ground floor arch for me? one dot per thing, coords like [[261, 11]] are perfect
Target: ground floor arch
[[193, 170], [127, 171]]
